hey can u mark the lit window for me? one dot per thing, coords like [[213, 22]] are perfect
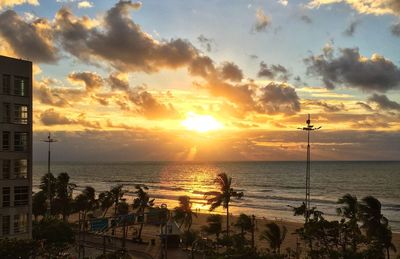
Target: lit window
[[21, 86], [6, 113], [20, 141], [6, 140], [6, 197], [6, 169], [21, 168], [6, 225], [21, 196], [20, 223], [20, 114], [6, 84]]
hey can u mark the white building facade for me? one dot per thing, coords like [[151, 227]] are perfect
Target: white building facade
[[15, 148]]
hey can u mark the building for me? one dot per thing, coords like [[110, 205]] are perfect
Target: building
[[15, 148]]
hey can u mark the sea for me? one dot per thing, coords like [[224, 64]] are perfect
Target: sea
[[271, 189]]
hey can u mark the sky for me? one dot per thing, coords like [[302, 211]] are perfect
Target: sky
[[210, 80]]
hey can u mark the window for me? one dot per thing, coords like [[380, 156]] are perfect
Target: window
[[20, 223], [6, 84], [6, 140], [21, 168], [6, 113], [21, 196], [21, 86], [6, 225], [6, 169], [20, 141], [6, 197], [20, 114]]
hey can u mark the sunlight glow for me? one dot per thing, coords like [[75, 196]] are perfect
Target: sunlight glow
[[201, 123]]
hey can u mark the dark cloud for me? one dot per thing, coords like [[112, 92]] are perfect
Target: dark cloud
[[51, 117], [32, 41], [384, 103], [352, 70], [46, 95], [116, 83], [92, 81], [279, 98], [351, 28], [306, 19], [138, 51], [262, 21], [206, 43], [365, 106], [326, 106], [230, 71], [395, 29], [273, 72]]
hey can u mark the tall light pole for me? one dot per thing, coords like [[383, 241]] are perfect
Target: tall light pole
[[308, 128], [49, 140]]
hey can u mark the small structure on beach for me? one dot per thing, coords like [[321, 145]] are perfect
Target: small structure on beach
[[170, 234]]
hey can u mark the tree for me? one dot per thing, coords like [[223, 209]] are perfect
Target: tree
[[117, 193], [274, 236], [63, 195], [106, 200], [222, 197], [184, 213], [244, 223], [48, 180], [85, 202], [214, 226], [57, 236], [18, 248], [39, 205], [141, 202]]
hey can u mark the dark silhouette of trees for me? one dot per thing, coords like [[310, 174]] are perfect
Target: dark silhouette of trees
[[140, 203], [214, 225], [223, 196], [275, 236], [183, 213], [106, 201]]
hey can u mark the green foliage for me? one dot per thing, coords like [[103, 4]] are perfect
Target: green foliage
[[244, 223], [274, 236], [214, 226], [55, 234], [17, 248]]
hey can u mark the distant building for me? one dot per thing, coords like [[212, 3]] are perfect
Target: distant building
[[15, 148]]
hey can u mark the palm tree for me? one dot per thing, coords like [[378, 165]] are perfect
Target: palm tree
[[63, 199], [117, 193], [106, 201], [48, 186], [39, 206], [184, 213], [244, 223], [275, 236], [141, 202], [214, 226], [371, 216], [386, 238], [223, 196], [85, 202], [350, 210]]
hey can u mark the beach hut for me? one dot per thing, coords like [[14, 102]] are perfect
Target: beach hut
[[170, 234]]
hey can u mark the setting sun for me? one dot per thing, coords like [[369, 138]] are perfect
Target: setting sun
[[201, 123]]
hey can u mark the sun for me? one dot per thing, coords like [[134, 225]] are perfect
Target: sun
[[201, 123]]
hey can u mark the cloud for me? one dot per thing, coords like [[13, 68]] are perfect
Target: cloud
[[46, 95], [206, 43], [32, 41], [51, 117], [306, 19], [375, 7], [395, 29], [230, 71], [273, 72], [91, 81], [365, 106], [118, 81], [147, 105], [85, 4], [11, 3], [137, 52], [262, 21], [351, 29], [326, 106], [279, 98], [384, 103], [353, 70]]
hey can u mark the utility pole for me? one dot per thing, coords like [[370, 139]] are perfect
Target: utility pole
[[49, 140], [308, 128]]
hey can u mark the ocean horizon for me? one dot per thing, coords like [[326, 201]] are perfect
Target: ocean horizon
[[270, 188]]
